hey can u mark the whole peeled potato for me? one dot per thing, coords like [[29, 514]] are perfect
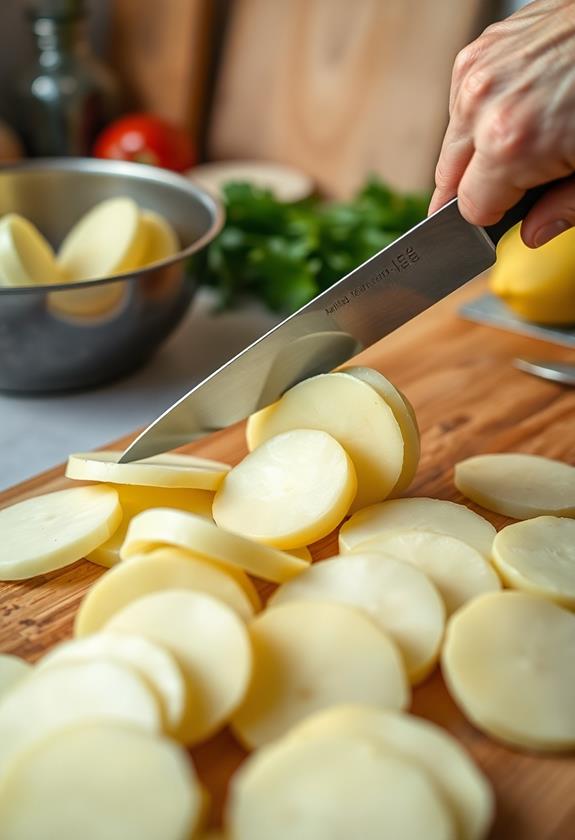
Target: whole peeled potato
[[538, 284]]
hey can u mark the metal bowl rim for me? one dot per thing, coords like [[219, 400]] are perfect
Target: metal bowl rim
[[129, 168]]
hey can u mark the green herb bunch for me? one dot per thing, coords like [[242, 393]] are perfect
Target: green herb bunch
[[285, 254]]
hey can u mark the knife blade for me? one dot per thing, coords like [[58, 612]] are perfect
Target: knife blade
[[421, 267]]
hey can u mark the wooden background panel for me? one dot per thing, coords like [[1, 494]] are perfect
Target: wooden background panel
[[340, 88], [161, 50]]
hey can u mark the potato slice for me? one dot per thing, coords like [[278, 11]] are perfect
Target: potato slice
[[294, 489], [508, 663], [338, 787], [162, 526], [399, 598], [134, 500], [405, 416], [53, 699], [26, 258], [308, 656], [458, 570], [99, 782], [351, 412], [51, 531], [107, 240], [160, 238], [419, 514], [461, 784], [518, 485], [209, 641], [151, 661], [538, 556], [167, 470], [165, 568], [12, 671]]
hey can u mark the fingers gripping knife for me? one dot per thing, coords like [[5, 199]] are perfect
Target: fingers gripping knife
[[424, 265]]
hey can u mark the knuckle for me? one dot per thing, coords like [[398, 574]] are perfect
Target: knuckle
[[507, 132], [464, 60]]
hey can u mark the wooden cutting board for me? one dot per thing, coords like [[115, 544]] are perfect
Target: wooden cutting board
[[468, 400]]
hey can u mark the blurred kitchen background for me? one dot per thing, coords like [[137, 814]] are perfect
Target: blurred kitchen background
[[338, 91]]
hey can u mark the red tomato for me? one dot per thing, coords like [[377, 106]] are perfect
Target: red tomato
[[145, 138]]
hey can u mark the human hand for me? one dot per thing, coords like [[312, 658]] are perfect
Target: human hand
[[512, 121]]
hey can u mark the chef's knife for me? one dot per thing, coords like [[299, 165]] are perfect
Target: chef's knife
[[428, 262]]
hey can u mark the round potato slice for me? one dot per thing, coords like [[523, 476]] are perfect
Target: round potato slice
[[53, 699], [458, 570], [26, 258], [134, 500], [538, 556], [163, 569], [337, 787], [161, 526], [167, 470], [420, 514], [12, 671], [67, 786], [351, 412], [399, 598], [294, 489], [508, 663], [151, 661], [48, 532], [518, 485], [308, 656], [463, 787], [405, 416], [209, 641], [160, 240], [107, 240]]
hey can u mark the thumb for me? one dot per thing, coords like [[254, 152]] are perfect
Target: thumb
[[553, 214]]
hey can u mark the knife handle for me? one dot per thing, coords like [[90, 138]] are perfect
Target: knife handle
[[520, 210]]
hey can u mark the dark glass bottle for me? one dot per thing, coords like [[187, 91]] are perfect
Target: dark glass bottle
[[67, 96]]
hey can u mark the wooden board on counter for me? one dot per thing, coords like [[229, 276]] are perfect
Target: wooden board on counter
[[341, 89], [469, 400]]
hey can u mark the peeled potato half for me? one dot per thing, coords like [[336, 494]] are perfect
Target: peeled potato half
[[26, 258], [107, 240]]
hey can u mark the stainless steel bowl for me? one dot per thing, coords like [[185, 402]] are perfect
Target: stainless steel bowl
[[76, 336]]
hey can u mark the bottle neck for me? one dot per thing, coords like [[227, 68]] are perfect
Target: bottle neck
[[56, 39]]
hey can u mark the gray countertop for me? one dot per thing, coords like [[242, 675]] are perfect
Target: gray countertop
[[37, 432]]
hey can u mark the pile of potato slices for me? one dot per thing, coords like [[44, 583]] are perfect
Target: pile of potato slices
[[172, 642]]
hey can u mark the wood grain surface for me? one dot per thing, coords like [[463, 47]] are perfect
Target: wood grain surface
[[341, 89], [162, 52], [469, 400]]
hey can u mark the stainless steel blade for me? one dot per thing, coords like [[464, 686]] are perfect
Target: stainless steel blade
[[424, 265]]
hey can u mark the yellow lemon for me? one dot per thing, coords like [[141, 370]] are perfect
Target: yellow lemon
[[538, 284]]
